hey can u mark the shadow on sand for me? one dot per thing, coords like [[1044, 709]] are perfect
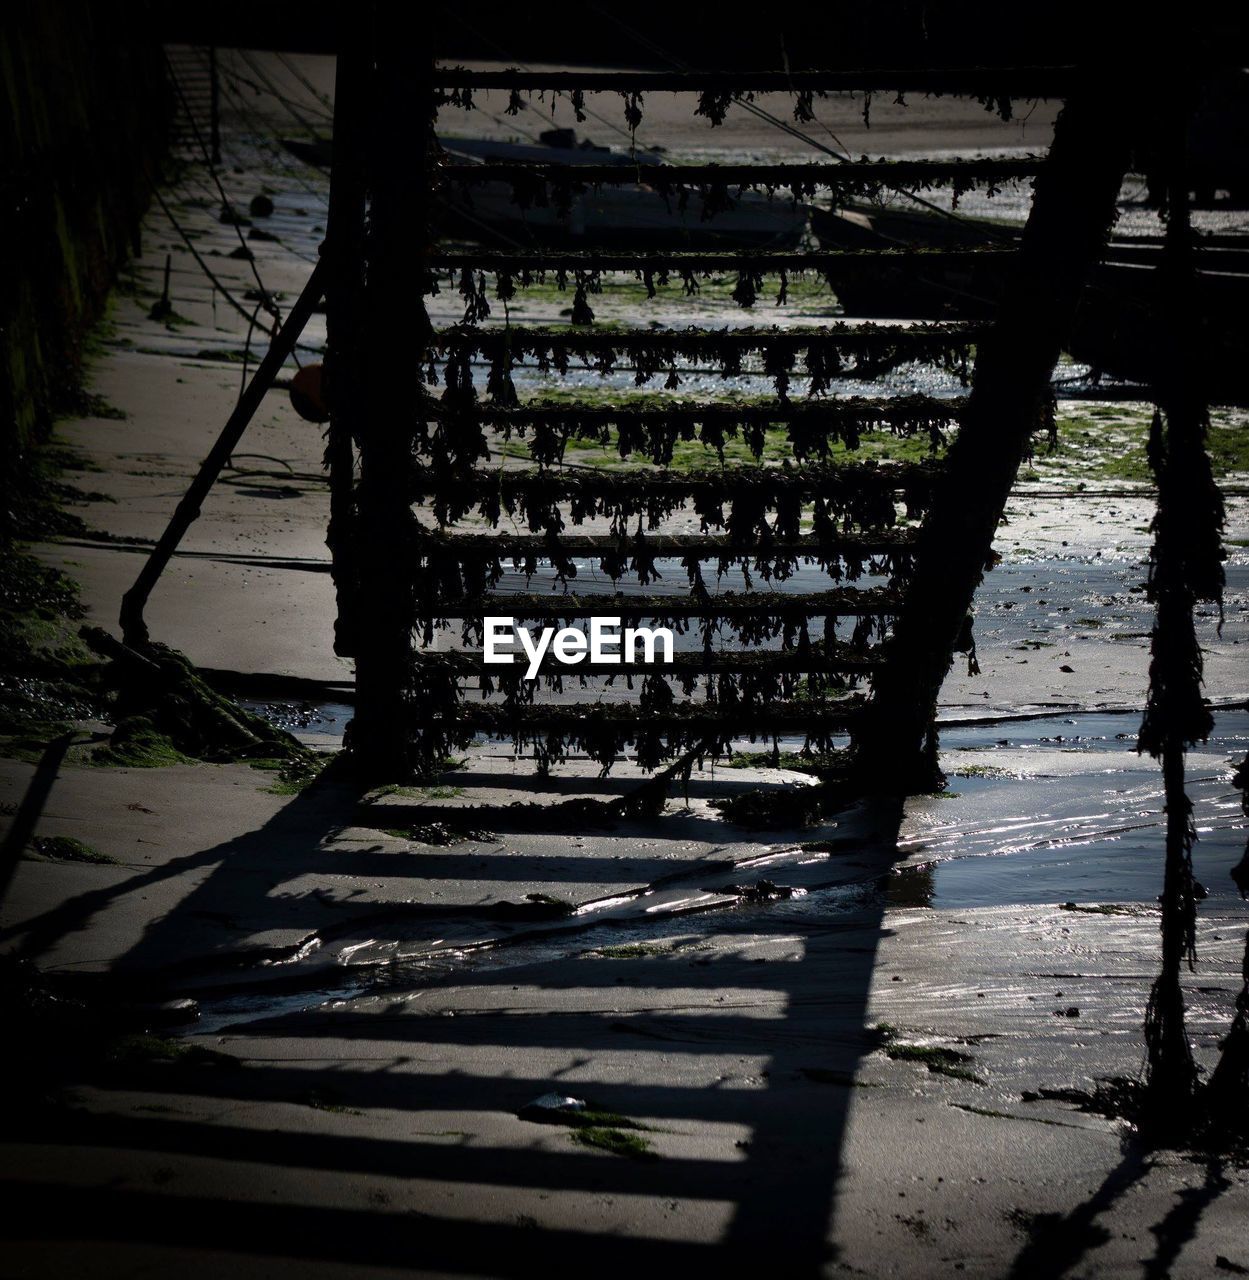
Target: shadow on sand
[[776, 1190]]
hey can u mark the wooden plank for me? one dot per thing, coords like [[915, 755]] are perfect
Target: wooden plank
[[810, 413], [824, 478], [533, 263], [850, 337], [569, 719], [817, 174], [705, 546], [842, 602]]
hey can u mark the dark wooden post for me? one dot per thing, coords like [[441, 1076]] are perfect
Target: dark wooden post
[[344, 254], [1072, 214], [395, 332]]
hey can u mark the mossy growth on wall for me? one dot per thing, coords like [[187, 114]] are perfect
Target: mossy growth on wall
[[82, 132]]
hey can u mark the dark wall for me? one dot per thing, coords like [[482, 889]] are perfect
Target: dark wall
[[83, 119]]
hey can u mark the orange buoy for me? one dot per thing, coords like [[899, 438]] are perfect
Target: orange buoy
[[306, 394]]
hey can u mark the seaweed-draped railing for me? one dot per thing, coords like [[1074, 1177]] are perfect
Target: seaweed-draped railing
[[479, 478]]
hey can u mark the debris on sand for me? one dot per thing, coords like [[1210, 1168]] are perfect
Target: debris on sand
[[939, 1059], [69, 849], [604, 1130], [793, 807], [165, 711], [442, 834], [763, 891], [551, 1108]]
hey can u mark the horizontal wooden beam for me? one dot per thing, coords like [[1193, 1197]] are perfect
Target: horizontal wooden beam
[[506, 546], [536, 262], [853, 337], [568, 719], [810, 414], [815, 479], [858, 174], [844, 602]]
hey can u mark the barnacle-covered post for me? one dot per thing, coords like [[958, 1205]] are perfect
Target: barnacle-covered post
[[344, 294], [395, 334], [1073, 211], [1186, 566]]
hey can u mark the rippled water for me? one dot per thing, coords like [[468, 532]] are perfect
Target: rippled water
[[1076, 815]]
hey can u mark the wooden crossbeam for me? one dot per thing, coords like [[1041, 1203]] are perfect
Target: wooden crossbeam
[[805, 177], [815, 479], [810, 413], [850, 337], [842, 602], [798, 717], [536, 262], [506, 546]]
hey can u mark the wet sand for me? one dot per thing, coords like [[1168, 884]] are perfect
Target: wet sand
[[373, 1128]]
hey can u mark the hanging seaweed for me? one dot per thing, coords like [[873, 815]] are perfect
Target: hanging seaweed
[[766, 660], [755, 616], [652, 429], [838, 350], [841, 556], [715, 91], [1185, 567], [581, 312], [804, 104], [602, 731], [713, 104], [860, 494], [473, 291]]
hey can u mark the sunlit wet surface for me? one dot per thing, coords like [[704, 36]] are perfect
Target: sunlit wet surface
[[1050, 810], [1065, 809]]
